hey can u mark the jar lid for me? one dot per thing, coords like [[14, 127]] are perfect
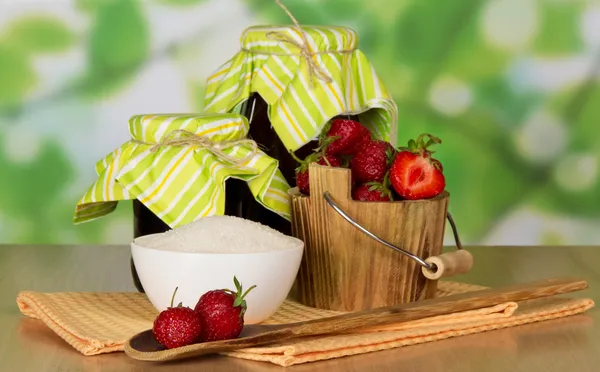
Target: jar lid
[[307, 75], [217, 127], [177, 165], [261, 39]]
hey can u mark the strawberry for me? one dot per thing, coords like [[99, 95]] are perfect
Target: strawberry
[[371, 193], [371, 163], [177, 326], [414, 173], [302, 180], [374, 191], [222, 313], [344, 137]]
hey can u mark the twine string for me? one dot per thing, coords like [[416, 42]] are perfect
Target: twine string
[[182, 137], [314, 69]]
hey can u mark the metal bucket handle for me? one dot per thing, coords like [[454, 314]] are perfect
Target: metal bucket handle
[[434, 267]]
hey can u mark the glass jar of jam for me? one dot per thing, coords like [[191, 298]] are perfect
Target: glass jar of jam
[[239, 201]]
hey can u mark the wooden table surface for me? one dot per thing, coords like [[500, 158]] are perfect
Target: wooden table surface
[[569, 344]]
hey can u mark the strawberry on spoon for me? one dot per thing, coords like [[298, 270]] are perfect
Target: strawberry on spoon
[[222, 312], [414, 173], [177, 326]]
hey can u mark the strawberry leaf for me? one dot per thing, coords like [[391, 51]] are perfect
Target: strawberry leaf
[[303, 164], [386, 180], [432, 140], [238, 301], [248, 290], [390, 156], [323, 136], [238, 286], [324, 142]]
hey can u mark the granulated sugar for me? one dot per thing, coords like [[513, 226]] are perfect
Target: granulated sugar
[[220, 234]]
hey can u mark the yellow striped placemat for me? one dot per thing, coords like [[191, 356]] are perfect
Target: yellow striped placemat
[[97, 323]]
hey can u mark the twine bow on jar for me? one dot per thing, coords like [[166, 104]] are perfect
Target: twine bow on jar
[[182, 137], [314, 69]]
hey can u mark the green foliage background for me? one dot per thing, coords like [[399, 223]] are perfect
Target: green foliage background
[[511, 87]]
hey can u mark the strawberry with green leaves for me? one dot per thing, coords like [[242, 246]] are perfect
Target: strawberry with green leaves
[[222, 312], [343, 137], [374, 191], [371, 162], [414, 173], [177, 326], [302, 180]]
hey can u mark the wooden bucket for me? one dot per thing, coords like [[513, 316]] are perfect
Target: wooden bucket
[[346, 270]]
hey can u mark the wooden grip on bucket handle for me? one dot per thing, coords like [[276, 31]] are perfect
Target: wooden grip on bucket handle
[[448, 264], [434, 267], [451, 263]]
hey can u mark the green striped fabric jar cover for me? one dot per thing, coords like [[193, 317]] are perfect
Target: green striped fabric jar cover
[[306, 76], [182, 182]]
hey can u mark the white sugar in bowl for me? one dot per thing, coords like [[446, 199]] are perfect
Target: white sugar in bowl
[[208, 253]]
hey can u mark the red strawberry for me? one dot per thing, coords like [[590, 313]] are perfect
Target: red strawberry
[[222, 313], [177, 326], [371, 193], [302, 180], [370, 164], [344, 137], [415, 174]]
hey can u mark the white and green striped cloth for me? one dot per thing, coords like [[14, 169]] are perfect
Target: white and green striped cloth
[[182, 183], [297, 110]]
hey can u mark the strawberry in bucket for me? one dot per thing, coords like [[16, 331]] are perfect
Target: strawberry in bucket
[[379, 172], [415, 174]]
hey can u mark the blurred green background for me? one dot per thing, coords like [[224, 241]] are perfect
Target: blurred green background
[[510, 86]]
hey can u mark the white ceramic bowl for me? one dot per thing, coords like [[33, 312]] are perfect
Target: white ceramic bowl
[[273, 273]]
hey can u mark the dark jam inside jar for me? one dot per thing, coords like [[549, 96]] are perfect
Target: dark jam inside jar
[[239, 201]]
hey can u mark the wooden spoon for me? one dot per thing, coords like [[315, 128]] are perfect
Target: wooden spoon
[[143, 346]]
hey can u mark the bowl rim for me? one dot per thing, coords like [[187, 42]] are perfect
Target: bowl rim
[[298, 245]]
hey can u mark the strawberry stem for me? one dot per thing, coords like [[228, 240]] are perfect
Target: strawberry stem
[[173, 297], [295, 157]]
